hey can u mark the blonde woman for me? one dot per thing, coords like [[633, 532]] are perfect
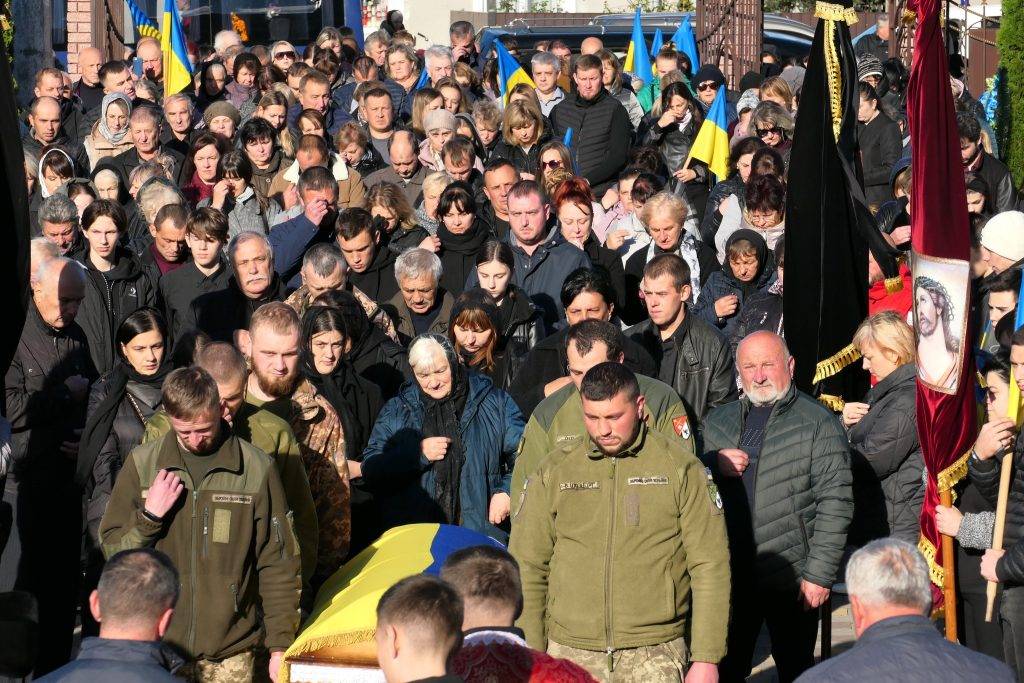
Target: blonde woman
[[776, 90], [388, 202], [885, 453], [522, 131]]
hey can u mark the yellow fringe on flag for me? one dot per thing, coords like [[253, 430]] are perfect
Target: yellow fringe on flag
[[893, 284], [935, 571], [832, 365], [832, 402], [831, 13], [947, 479]]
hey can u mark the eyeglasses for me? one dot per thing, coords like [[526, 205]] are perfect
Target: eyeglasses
[[707, 85], [281, 55], [554, 163], [765, 132]]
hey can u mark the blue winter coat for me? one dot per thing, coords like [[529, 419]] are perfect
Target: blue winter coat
[[723, 283], [403, 480]]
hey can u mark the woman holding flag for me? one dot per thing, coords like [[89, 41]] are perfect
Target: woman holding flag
[[673, 133]]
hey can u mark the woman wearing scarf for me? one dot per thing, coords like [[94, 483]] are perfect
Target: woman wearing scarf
[[243, 91], [444, 448], [109, 135], [121, 402], [749, 269], [213, 80], [461, 234]]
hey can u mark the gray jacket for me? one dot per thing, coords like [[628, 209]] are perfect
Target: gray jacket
[[245, 214]]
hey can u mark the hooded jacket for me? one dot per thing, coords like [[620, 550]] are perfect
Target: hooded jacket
[[723, 282], [403, 479], [109, 298]]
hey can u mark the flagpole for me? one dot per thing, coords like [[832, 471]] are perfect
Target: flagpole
[[1005, 472], [949, 574]]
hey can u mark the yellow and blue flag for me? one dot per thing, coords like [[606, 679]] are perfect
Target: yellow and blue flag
[[638, 62], [344, 614], [1014, 404], [657, 42], [177, 67], [686, 43], [712, 142], [143, 24], [510, 72]]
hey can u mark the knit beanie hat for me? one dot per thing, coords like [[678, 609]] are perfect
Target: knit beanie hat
[[1004, 235], [709, 72], [221, 108], [748, 100], [868, 65], [439, 119]]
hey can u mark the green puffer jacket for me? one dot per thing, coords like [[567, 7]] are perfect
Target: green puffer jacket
[[803, 495]]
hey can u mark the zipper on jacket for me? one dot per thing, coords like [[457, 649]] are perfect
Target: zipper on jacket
[[192, 574], [608, 571], [277, 532], [206, 532], [234, 595], [803, 534]]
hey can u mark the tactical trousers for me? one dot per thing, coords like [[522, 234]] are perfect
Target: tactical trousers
[[664, 663], [237, 669]]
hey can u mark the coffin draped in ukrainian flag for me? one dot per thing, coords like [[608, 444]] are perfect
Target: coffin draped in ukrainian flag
[[338, 635]]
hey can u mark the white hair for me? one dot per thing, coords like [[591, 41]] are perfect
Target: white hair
[[180, 97], [248, 236], [425, 352], [415, 262], [437, 52], [225, 39], [380, 37], [154, 196], [890, 571], [41, 251], [49, 270], [546, 59], [323, 259]]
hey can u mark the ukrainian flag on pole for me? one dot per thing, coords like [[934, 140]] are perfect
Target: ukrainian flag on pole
[[177, 68], [638, 61], [510, 72], [712, 143], [143, 24], [686, 42]]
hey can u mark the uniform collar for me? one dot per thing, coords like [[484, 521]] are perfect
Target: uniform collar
[[595, 453]]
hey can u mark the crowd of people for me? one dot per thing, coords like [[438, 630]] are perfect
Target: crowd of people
[[314, 297]]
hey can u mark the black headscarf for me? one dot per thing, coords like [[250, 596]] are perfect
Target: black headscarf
[[356, 399], [458, 253], [441, 417], [765, 262], [101, 419]]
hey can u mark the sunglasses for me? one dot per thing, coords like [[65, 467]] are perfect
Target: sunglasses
[[554, 163], [709, 85], [281, 55], [765, 132]]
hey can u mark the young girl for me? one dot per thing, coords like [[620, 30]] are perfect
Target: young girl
[[311, 122], [519, 322], [749, 269], [451, 93], [522, 129], [246, 209]]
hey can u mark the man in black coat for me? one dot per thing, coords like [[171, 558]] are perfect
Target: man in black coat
[[371, 264], [1002, 195], [47, 388], [586, 295], [253, 283], [46, 129], [145, 126], [601, 131], [692, 357], [890, 597]]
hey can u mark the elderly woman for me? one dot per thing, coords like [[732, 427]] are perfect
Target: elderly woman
[[763, 210], [444, 448], [426, 214], [774, 125], [439, 125], [420, 305], [885, 453]]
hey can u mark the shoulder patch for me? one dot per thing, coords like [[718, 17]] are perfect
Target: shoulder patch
[[713, 493], [682, 426]]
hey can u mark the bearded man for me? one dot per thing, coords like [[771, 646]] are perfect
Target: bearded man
[[790, 473], [276, 384]]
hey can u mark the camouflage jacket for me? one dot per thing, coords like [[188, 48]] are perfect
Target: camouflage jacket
[[299, 300]]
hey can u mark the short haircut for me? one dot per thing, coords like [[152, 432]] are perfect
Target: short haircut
[[313, 143], [457, 195], [313, 77], [497, 163], [376, 91], [155, 195], [768, 113], [351, 133], [458, 149], [485, 112], [136, 587], [527, 188], [323, 259], [176, 213], [1006, 281], [256, 129], [587, 280], [249, 236], [586, 63], [105, 208], [968, 126], [353, 222], [672, 265], [666, 204], [277, 315], [889, 332], [208, 224], [437, 52], [380, 37], [150, 113], [428, 610], [414, 263], [890, 571], [115, 66], [190, 393], [545, 59], [317, 179], [605, 381], [223, 361], [179, 97], [486, 575], [406, 136], [585, 334], [58, 209], [1016, 340], [461, 29]]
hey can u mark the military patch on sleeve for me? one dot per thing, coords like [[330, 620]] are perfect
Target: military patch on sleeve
[[682, 426], [713, 493]]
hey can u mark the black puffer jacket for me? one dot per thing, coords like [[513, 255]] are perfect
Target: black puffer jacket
[[881, 144], [674, 143], [522, 328], [802, 491], [600, 139], [109, 298], [704, 374], [985, 476], [886, 460], [763, 311], [611, 262], [1002, 195], [125, 434]]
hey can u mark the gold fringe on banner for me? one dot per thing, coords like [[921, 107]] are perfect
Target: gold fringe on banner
[[947, 479], [893, 284], [831, 13], [832, 365], [832, 402]]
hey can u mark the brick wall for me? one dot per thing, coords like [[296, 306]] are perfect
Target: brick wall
[[81, 18]]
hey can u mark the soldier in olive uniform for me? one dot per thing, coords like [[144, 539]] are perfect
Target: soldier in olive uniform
[[622, 546]]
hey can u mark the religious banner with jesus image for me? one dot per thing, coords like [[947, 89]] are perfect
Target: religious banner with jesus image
[[940, 295]]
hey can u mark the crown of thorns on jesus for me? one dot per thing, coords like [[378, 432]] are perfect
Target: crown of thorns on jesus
[[936, 288]]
